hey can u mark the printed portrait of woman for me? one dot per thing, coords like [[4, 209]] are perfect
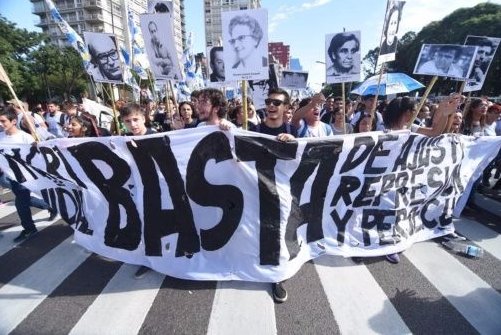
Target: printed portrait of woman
[[391, 25], [246, 35]]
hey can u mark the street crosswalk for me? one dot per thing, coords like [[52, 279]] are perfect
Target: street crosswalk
[[50, 285]]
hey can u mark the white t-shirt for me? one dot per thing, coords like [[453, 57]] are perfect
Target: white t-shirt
[[321, 130], [19, 137]]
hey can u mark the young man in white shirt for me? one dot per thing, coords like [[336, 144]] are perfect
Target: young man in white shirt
[[13, 135]]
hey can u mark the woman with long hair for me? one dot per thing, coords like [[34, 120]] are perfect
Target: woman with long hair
[[474, 117], [82, 125]]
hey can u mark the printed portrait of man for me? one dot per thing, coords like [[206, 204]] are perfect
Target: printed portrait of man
[[245, 44], [104, 58], [160, 46], [445, 60], [487, 47], [293, 79], [343, 57], [216, 64]]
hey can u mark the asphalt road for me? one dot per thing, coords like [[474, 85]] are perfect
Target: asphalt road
[[50, 285]]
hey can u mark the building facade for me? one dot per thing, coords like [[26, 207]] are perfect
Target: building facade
[[104, 16], [212, 16]]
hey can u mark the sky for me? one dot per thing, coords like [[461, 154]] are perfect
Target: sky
[[302, 24]]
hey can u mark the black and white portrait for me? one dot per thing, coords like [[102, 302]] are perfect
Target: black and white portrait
[[216, 64], [389, 38], [245, 43], [259, 88], [446, 60], [293, 79], [487, 47], [160, 46], [156, 6], [342, 57], [105, 65]]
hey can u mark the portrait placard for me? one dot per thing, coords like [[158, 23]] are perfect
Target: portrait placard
[[342, 57], [105, 64], [487, 47], [245, 43]]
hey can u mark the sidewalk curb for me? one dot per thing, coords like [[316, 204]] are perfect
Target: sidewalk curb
[[487, 204]]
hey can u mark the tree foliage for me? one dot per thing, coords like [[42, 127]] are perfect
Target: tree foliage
[[481, 20], [38, 70]]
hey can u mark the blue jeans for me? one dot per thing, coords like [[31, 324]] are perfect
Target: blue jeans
[[23, 202]]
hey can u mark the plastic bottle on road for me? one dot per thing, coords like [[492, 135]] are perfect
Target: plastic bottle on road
[[467, 249]]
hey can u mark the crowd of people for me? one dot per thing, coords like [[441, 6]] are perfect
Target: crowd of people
[[315, 116]]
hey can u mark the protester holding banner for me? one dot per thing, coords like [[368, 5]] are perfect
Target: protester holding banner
[[11, 134], [134, 120], [211, 106], [277, 103]]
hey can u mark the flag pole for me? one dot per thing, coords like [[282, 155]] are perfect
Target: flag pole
[[423, 99], [244, 104], [115, 116], [344, 107]]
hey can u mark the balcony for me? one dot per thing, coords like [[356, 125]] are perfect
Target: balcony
[[93, 4], [94, 17]]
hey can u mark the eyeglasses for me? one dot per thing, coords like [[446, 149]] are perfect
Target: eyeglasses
[[275, 102], [106, 57], [240, 39]]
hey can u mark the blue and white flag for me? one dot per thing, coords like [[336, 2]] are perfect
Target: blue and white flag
[[72, 36], [138, 55]]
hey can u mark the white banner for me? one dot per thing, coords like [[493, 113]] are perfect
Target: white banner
[[210, 205]]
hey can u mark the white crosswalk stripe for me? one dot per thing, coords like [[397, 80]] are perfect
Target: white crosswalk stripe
[[23, 294], [473, 297], [123, 304], [355, 299], [357, 302]]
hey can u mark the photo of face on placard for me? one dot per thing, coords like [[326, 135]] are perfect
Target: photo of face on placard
[[389, 40], [160, 46], [245, 44], [216, 64], [105, 65], [293, 79], [342, 57], [157, 6], [487, 47], [446, 60]]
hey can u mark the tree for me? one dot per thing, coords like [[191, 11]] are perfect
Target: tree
[[15, 47], [60, 70], [38, 70], [370, 62], [481, 20]]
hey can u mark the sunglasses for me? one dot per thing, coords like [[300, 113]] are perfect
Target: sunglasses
[[275, 102]]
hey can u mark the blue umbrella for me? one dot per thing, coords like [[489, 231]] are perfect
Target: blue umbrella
[[391, 83]]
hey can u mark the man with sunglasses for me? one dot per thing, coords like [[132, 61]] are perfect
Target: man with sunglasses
[[277, 103], [104, 57]]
